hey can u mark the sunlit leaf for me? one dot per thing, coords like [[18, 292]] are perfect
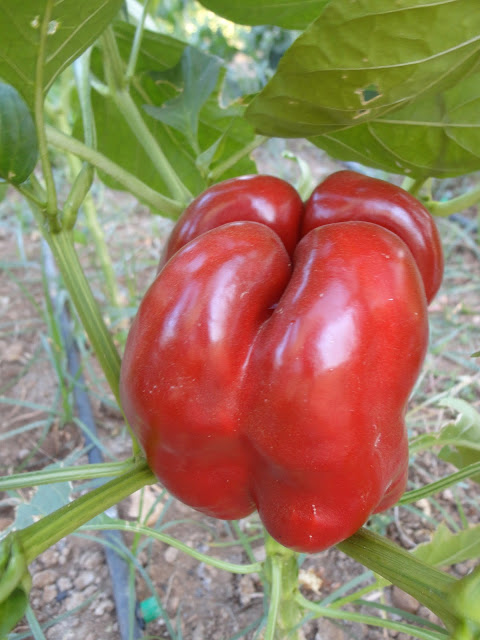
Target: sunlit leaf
[[436, 136], [363, 59], [65, 28], [290, 14]]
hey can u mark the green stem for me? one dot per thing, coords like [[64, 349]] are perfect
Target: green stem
[[413, 185], [51, 206], [101, 250], [439, 485], [136, 187], [79, 290], [282, 565], [41, 535], [71, 474], [81, 70], [133, 117], [275, 597], [425, 583], [236, 157], [460, 203], [336, 614], [136, 528], [137, 41]]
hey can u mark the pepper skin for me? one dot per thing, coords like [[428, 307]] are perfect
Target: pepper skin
[[347, 195], [253, 383], [264, 199]]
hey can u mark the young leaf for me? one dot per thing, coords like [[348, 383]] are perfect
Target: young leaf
[[69, 28], [465, 433], [196, 80], [447, 548], [360, 60], [290, 14], [18, 139]]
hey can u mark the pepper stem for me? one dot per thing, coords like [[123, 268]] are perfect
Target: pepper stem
[[281, 572]]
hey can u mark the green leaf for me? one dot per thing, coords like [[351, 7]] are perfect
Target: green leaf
[[46, 499], [463, 435], [290, 14], [3, 190], [363, 59], [69, 28], [18, 139], [196, 80], [438, 136], [447, 548], [12, 610]]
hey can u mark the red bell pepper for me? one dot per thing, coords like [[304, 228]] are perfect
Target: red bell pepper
[[255, 384]]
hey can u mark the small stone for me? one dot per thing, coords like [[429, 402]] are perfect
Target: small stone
[[246, 590], [404, 601], [93, 560], [49, 593], [74, 601], [102, 607], [50, 558], [84, 579], [170, 555], [64, 583], [43, 578]]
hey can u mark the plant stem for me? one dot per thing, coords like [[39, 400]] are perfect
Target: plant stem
[[136, 187], [275, 597], [425, 583], [337, 614], [137, 41], [447, 208], [137, 528], [413, 185], [51, 204], [281, 567], [439, 485], [51, 476], [132, 116], [236, 157], [79, 290], [41, 535]]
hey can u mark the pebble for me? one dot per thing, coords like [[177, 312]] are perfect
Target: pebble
[[404, 601], [170, 555], [106, 605], [44, 578], [84, 579], [92, 560], [64, 583], [49, 593]]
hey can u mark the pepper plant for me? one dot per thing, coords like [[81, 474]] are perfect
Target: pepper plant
[[394, 87]]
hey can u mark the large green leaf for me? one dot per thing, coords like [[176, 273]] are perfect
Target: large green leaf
[[64, 28], [290, 14], [437, 136], [362, 59]]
